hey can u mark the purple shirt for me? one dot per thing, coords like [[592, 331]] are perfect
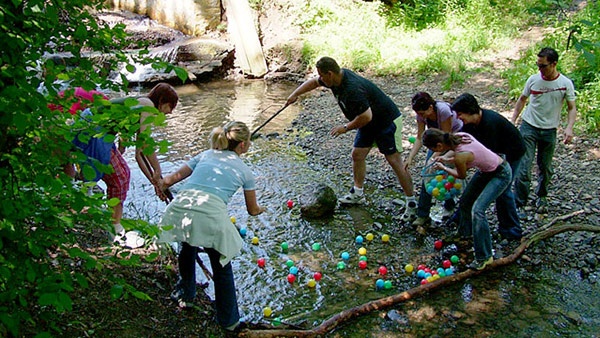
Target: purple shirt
[[443, 113]]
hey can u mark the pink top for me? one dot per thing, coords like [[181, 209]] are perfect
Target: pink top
[[483, 159], [84, 98]]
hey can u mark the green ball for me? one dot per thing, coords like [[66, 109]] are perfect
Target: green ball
[[341, 265], [316, 246], [284, 246], [277, 321], [387, 285], [363, 258], [454, 259], [412, 139], [289, 263]]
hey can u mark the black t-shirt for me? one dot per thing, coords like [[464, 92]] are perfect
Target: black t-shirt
[[356, 94], [498, 134]]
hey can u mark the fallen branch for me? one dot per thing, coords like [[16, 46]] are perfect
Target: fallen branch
[[379, 304]]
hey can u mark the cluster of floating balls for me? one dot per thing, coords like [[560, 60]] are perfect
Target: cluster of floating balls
[[443, 186], [427, 274]]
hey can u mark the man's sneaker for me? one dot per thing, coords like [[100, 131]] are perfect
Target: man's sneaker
[[480, 265], [352, 198], [410, 213], [421, 221], [541, 205]]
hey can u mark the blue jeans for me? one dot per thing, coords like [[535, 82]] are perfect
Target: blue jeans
[[545, 141], [225, 296], [509, 225], [425, 199], [482, 190]]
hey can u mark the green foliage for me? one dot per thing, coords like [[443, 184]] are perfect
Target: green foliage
[[43, 214]]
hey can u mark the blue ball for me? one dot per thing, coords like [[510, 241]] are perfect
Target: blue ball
[[421, 274], [359, 240], [440, 270], [345, 256], [294, 270], [243, 232], [430, 189], [427, 274], [379, 284], [449, 272]]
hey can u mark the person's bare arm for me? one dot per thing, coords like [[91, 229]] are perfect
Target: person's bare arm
[[571, 117], [251, 203], [521, 102], [416, 146], [358, 122], [305, 87]]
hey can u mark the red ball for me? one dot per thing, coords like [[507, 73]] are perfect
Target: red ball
[[448, 185], [317, 276], [382, 270], [421, 267], [424, 281], [362, 265], [437, 244], [290, 204], [261, 262], [427, 270], [291, 278], [446, 264]]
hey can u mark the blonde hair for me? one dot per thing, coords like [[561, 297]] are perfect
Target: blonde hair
[[229, 136]]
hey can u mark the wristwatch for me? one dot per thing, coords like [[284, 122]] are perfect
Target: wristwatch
[[346, 127]]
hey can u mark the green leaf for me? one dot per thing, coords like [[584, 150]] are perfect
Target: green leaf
[[116, 291], [88, 172], [141, 295], [130, 68], [47, 299], [182, 73], [113, 202], [65, 302]]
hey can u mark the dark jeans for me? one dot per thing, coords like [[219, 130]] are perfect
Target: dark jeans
[[545, 141], [225, 296], [482, 190]]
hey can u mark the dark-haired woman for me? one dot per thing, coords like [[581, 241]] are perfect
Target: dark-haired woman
[[430, 114], [198, 216], [492, 177]]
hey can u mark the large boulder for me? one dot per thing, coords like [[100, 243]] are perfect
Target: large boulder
[[318, 201]]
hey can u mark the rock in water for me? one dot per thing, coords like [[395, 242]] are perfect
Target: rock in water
[[318, 201]]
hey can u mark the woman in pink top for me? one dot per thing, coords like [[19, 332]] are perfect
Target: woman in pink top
[[492, 177]]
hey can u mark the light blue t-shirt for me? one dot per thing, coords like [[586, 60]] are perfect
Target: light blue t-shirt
[[220, 172]]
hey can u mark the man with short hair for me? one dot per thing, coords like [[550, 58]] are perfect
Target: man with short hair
[[374, 115], [547, 91], [499, 135]]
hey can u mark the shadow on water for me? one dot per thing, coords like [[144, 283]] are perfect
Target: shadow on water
[[512, 302]]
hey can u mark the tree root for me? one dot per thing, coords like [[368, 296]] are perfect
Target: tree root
[[328, 325]]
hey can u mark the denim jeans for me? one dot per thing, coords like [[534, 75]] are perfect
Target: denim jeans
[[225, 294], [482, 190], [509, 225], [545, 141], [425, 199]]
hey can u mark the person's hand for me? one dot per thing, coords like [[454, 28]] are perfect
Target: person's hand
[[160, 193], [568, 135], [338, 130], [407, 163], [439, 166]]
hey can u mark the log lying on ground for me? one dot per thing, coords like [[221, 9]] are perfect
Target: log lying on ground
[[544, 232]]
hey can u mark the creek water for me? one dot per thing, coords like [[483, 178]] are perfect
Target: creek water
[[510, 302]]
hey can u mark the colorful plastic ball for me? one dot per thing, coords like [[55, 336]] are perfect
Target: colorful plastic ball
[[428, 274], [232, 219], [362, 251], [291, 278], [387, 284], [454, 259], [385, 238], [458, 185], [289, 263], [446, 263], [439, 178], [429, 279], [424, 281], [359, 239], [277, 321], [434, 272], [341, 265], [316, 246], [284, 246], [421, 274], [435, 277], [261, 262], [442, 172], [290, 204], [409, 268], [243, 232], [345, 256], [440, 270], [317, 276], [311, 283], [267, 312], [449, 272], [255, 240], [383, 270], [442, 274], [429, 189], [421, 267], [448, 186], [363, 258], [379, 284], [438, 244], [451, 179], [362, 265], [412, 139], [435, 192], [294, 270], [370, 237]]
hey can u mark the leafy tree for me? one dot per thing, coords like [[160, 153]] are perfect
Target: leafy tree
[[43, 212]]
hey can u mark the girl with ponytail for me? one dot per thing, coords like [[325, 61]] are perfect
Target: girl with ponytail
[[493, 175]]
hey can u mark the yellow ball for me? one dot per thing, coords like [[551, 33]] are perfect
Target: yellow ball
[[385, 238], [267, 312], [430, 279], [254, 240], [232, 218], [409, 268], [311, 283], [362, 251], [458, 185], [369, 236]]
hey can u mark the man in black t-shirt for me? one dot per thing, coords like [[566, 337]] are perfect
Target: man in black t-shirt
[[374, 115]]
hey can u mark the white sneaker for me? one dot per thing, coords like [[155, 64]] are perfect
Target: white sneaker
[[352, 198], [410, 213], [447, 213]]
